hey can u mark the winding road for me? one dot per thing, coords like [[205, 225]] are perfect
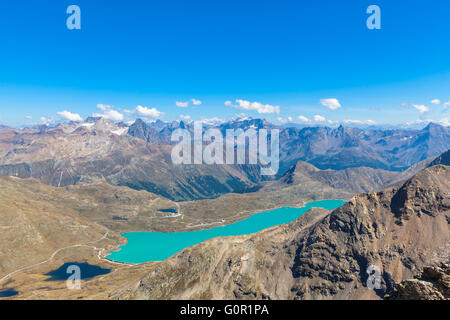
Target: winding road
[[87, 244]]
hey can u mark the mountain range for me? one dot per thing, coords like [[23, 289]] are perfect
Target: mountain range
[[139, 155], [329, 148]]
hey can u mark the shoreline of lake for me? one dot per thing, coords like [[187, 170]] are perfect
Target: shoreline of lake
[[144, 247]]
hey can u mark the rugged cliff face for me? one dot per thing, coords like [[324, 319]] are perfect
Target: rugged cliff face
[[320, 256], [433, 283], [398, 230]]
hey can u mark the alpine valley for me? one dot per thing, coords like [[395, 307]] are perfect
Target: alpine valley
[[72, 192]]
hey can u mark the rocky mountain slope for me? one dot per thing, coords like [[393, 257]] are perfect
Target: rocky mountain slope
[[302, 183], [433, 283], [33, 226], [74, 153], [343, 147], [352, 180], [37, 219], [329, 148], [320, 256]]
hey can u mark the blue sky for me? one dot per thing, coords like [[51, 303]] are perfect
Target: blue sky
[[278, 57]]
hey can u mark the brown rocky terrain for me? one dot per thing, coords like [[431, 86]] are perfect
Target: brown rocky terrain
[[42, 227], [353, 180], [319, 256], [433, 283], [32, 228]]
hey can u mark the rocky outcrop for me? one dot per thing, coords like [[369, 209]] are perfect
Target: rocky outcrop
[[432, 284], [141, 130], [442, 159], [396, 231]]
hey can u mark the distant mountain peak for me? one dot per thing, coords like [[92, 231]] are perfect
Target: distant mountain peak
[[92, 119], [432, 126], [139, 121], [142, 130]]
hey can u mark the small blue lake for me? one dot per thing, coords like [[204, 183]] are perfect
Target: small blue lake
[[87, 271], [7, 293], [156, 246]]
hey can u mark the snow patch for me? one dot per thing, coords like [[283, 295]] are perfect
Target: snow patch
[[120, 131], [87, 124]]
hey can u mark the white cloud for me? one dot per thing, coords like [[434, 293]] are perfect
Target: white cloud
[[332, 104], [196, 102], [110, 115], [28, 117], [435, 101], [185, 117], [284, 120], [421, 108], [108, 112], [254, 106], [319, 118], [369, 122], [185, 104], [149, 112], [113, 115], [303, 119], [45, 120], [104, 107], [70, 116], [182, 104], [445, 122]]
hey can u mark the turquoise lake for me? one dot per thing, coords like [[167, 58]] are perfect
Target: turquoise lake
[[156, 246]]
